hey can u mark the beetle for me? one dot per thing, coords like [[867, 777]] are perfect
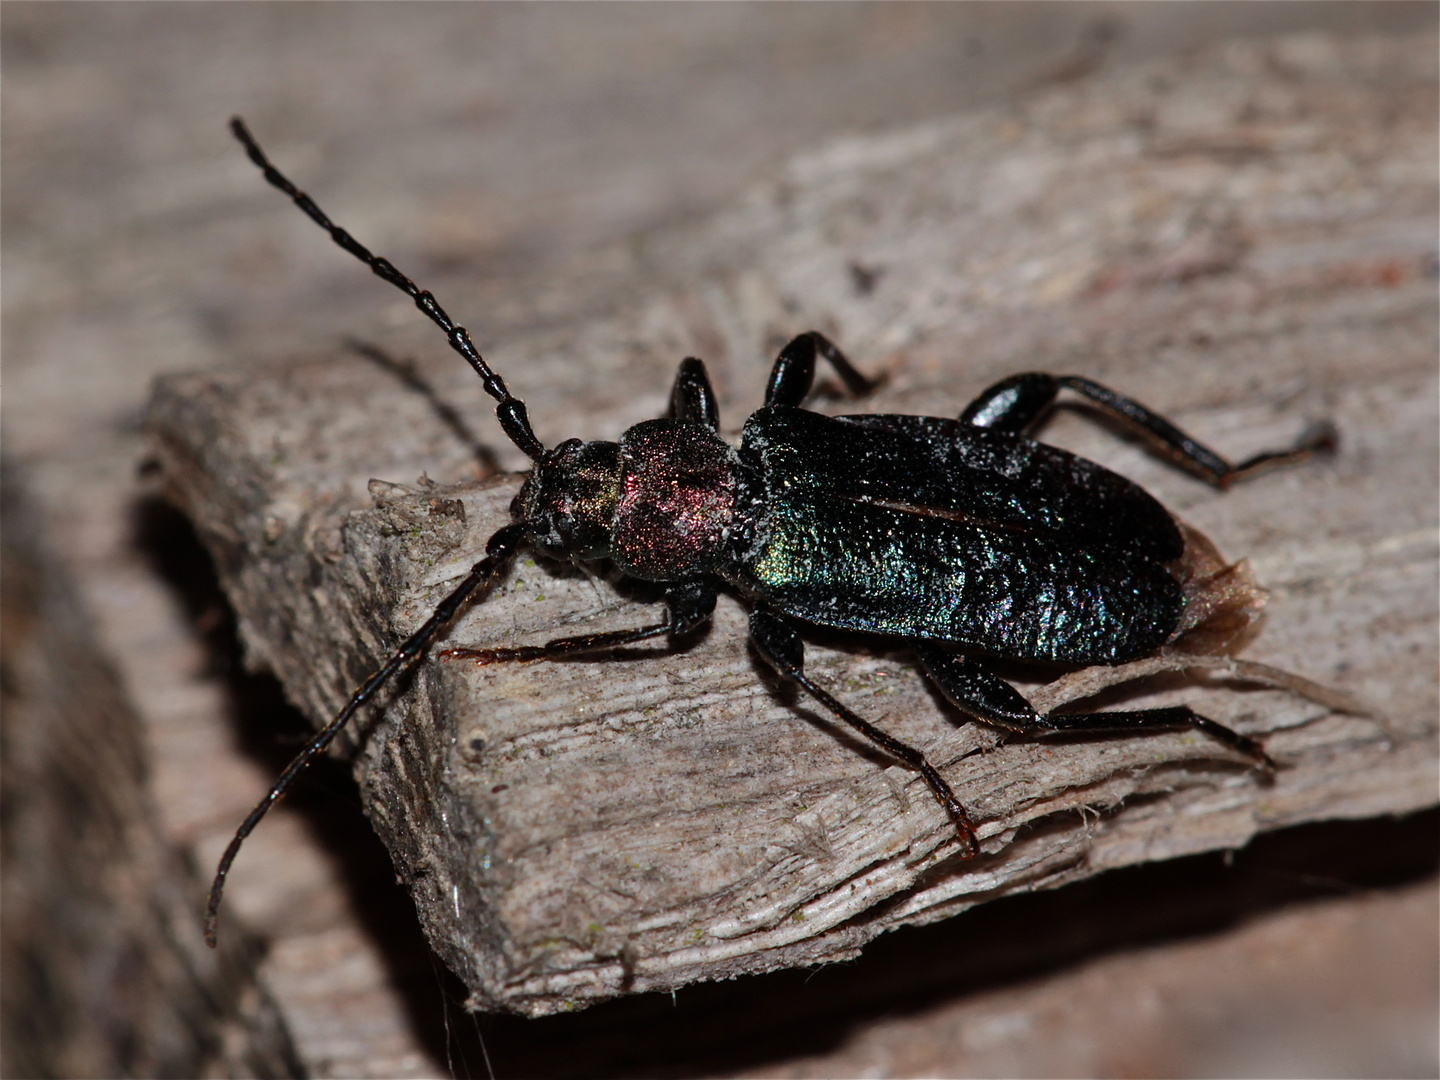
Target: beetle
[[961, 538]]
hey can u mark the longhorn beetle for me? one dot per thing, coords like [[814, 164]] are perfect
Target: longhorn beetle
[[961, 538]]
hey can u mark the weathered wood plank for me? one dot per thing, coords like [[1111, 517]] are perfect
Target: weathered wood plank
[[104, 975], [1298, 990], [1244, 240]]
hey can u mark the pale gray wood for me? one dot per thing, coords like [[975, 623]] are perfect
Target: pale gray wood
[[1345, 987], [104, 975], [1244, 240]]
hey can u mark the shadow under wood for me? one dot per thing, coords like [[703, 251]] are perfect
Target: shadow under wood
[[758, 1020], [410, 376], [326, 797]]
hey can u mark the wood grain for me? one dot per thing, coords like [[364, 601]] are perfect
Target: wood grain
[[1243, 239], [104, 976]]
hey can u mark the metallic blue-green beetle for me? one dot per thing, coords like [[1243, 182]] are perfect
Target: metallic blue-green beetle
[[963, 538]]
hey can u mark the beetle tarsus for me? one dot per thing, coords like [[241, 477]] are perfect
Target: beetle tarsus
[[1321, 437]]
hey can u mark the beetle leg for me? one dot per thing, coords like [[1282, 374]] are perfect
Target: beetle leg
[[794, 370], [990, 699], [691, 400], [783, 650], [688, 606], [1012, 404], [1016, 403]]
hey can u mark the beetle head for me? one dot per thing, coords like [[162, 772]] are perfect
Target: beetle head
[[570, 498]]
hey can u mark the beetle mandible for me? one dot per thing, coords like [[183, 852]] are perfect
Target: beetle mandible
[[962, 538]]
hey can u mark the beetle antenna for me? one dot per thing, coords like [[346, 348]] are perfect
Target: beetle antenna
[[498, 553], [511, 409]]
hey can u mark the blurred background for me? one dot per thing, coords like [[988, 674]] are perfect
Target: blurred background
[[478, 147]]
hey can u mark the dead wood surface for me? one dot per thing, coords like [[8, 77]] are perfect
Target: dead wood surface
[[103, 973], [1215, 1007], [474, 144], [1243, 239]]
